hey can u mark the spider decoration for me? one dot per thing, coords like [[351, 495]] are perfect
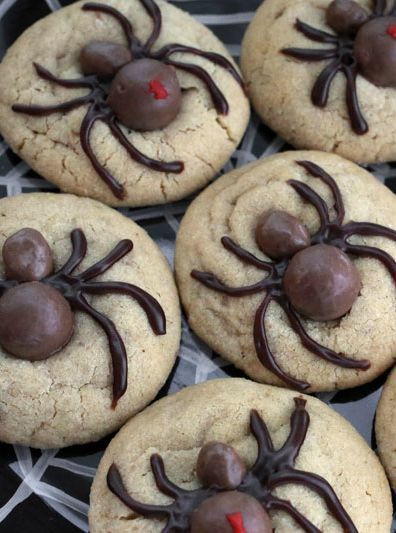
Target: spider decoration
[[361, 38], [320, 256], [227, 484], [144, 93], [33, 289]]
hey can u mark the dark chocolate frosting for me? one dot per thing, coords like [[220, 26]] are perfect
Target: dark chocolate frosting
[[102, 106], [44, 324], [272, 469], [331, 232], [361, 45]]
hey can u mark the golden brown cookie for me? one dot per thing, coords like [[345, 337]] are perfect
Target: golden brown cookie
[[385, 427], [125, 321], [321, 74], [171, 433], [319, 319], [91, 146]]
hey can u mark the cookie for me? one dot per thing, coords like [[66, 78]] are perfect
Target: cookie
[[130, 102], [290, 297], [385, 428], [321, 74], [90, 320], [312, 471]]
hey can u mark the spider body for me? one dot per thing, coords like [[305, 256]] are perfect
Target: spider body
[[73, 288], [99, 98], [272, 469], [343, 55], [331, 232]]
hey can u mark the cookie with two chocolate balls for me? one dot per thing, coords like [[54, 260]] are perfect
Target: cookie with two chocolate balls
[[89, 320], [239, 457], [130, 102], [322, 74], [287, 268]]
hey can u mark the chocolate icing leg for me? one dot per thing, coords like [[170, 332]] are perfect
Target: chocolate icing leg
[[118, 252], [319, 172], [150, 306], [263, 349], [218, 98], [175, 166], [368, 251], [277, 504], [316, 348], [116, 345], [321, 89], [321, 487]]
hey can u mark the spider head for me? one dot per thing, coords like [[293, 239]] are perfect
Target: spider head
[[345, 17], [104, 59], [375, 51], [145, 95], [35, 319], [280, 235], [219, 466], [27, 256]]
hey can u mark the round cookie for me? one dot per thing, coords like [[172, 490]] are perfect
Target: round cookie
[[177, 427], [76, 394], [240, 301], [213, 115], [315, 77], [385, 427]]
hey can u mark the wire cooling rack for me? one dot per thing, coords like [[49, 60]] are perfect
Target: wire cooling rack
[[48, 491]]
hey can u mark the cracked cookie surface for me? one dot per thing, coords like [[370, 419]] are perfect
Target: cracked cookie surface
[[67, 398], [385, 427], [178, 426], [231, 207], [199, 136], [280, 86]]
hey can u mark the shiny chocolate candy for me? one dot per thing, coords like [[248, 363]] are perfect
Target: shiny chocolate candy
[[27, 256], [321, 282], [35, 321], [280, 235], [375, 51], [345, 17], [104, 58], [219, 465], [231, 512], [145, 95]]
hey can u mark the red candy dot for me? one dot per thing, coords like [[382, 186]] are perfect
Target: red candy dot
[[158, 90], [391, 30], [236, 522]]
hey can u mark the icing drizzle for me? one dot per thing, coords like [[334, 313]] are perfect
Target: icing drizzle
[[332, 232], [272, 469], [74, 287], [342, 61], [96, 99]]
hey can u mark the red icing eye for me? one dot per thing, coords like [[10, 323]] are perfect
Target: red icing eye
[[158, 90], [391, 30], [236, 522]]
